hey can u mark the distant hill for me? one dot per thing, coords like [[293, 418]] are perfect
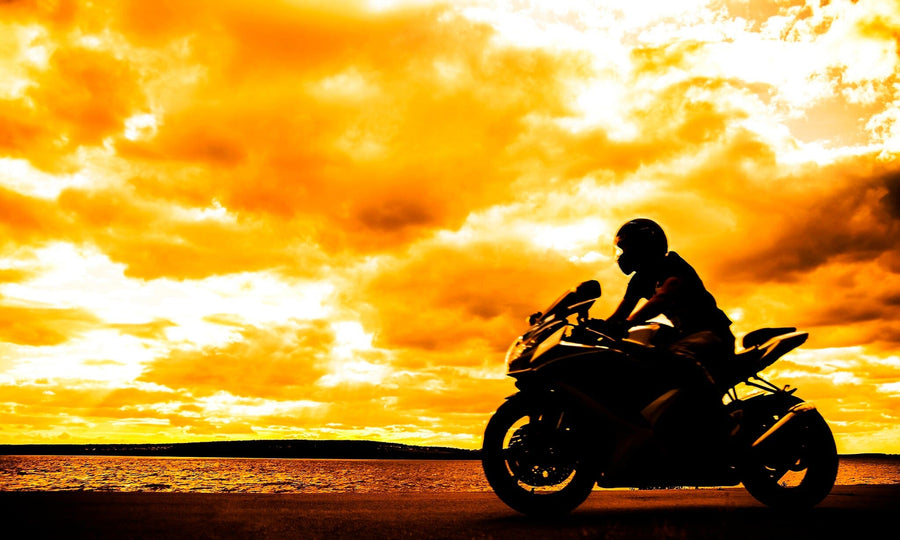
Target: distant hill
[[287, 448], [250, 449]]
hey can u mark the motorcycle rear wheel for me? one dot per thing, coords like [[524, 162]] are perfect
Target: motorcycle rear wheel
[[799, 473], [532, 460]]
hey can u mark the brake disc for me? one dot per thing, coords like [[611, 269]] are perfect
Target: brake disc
[[535, 460]]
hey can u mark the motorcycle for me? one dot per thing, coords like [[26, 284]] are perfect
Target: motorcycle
[[591, 411]]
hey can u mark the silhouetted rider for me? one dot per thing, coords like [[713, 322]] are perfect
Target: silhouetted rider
[[673, 288]]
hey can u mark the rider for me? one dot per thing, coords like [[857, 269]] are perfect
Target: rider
[[673, 288]]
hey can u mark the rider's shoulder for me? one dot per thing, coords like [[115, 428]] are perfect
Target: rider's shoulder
[[675, 266], [673, 256], [673, 259]]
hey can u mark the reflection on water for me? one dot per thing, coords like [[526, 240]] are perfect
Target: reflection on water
[[223, 475]]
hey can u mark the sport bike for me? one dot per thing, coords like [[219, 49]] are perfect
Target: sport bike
[[592, 409]]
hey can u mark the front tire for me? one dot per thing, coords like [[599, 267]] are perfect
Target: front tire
[[800, 471], [533, 460]]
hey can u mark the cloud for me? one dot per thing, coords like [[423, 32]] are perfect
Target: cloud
[[271, 363], [73, 97], [42, 326], [237, 219], [86, 93], [800, 240], [24, 134], [151, 330], [37, 404], [26, 220], [424, 303], [379, 127], [156, 239], [353, 130]]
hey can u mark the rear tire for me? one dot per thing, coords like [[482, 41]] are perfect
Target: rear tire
[[532, 459], [800, 471]]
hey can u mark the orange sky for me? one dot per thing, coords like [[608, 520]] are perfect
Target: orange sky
[[234, 220]]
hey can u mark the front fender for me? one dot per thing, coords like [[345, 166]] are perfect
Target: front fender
[[775, 433], [759, 413]]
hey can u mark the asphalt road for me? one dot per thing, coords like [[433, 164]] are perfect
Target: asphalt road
[[850, 512]]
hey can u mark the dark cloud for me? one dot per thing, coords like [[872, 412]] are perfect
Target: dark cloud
[[853, 221], [891, 200]]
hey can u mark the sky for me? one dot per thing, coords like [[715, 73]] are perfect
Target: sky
[[225, 220]]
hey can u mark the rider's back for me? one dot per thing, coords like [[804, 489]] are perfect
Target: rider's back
[[693, 308]]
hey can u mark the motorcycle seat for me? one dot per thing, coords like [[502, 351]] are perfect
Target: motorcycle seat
[[761, 354]]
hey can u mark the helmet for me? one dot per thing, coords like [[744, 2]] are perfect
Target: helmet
[[638, 242]]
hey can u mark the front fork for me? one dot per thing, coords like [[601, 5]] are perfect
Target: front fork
[[553, 429]]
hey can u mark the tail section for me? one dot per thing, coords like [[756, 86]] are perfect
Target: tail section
[[763, 348]]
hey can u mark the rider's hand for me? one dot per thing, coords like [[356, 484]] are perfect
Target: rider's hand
[[617, 328], [611, 328]]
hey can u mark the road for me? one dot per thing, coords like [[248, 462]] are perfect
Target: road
[[850, 512]]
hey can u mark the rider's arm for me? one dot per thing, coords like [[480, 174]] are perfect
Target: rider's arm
[[626, 306], [657, 303], [633, 294]]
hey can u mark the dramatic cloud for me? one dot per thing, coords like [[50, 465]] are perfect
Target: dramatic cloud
[[303, 219]]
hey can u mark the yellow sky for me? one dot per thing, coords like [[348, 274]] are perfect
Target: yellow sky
[[233, 220]]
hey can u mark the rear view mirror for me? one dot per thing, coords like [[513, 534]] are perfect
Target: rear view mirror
[[588, 289]]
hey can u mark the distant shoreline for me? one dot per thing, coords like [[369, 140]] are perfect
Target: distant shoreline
[[327, 449], [285, 448]]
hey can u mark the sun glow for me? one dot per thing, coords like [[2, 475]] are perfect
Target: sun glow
[[350, 338], [140, 126], [223, 407], [352, 343]]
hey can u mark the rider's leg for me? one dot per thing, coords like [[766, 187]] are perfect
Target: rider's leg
[[703, 424]]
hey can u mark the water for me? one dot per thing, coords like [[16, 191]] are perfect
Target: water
[[255, 475], [246, 475]]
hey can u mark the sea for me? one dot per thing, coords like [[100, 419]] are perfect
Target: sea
[[265, 475]]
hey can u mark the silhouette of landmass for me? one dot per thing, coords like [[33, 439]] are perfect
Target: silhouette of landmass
[[286, 448], [254, 449], [871, 456]]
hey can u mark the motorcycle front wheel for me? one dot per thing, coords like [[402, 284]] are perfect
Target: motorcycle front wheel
[[533, 460], [800, 472]]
